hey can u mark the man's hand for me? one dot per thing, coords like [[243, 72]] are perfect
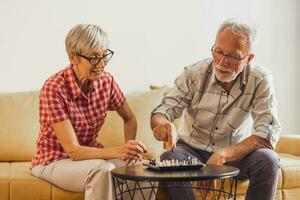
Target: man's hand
[[239, 150], [164, 130], [217, 158]]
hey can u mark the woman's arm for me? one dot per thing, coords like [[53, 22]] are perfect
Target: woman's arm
[[67, 138], [130, 123]]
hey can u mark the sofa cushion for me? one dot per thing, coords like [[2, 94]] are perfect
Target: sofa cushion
[[289, 144], [60, 194], [278, 196], [19, 125], [290, 166], [289, 194], [4, 180], [21, 181], [142, 104], [25, 186]]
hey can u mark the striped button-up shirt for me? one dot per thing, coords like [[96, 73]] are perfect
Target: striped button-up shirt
[[213, 119]]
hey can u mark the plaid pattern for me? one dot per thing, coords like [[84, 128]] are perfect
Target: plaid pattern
[[214, 120], [61, 99]]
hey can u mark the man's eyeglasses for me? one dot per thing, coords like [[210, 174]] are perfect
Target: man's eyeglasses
[[95, 60], [218, 54]]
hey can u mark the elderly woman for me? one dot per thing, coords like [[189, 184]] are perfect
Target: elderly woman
[[73, 104]]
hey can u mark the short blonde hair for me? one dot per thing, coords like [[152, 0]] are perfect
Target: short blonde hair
[[86, 39], [243, 29]]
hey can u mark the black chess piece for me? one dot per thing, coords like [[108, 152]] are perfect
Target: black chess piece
[[152, 162]]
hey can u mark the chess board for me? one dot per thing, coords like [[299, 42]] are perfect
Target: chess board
[[174, 164]]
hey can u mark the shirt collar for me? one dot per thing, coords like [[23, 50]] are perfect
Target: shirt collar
[[211, 70], [75, 90]]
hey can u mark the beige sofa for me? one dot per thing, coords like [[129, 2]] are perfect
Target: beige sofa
[[19, 129]]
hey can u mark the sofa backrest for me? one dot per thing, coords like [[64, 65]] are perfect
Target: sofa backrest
[[142, 104], [19, 125]]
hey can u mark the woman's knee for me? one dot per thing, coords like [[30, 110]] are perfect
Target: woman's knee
[[105, 166], [101, 171]]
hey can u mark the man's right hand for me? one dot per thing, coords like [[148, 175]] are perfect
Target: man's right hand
[[164, 130]]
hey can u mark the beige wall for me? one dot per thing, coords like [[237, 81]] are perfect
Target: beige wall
[[153, 40]]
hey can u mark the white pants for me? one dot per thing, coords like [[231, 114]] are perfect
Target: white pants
[[90, 176]]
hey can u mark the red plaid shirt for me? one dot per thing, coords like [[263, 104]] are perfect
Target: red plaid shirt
[[61, 99]]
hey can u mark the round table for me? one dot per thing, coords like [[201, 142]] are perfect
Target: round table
[[225, 176]]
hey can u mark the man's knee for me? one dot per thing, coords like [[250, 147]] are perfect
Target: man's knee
[[168, 155], [178, 153], [267, 159]]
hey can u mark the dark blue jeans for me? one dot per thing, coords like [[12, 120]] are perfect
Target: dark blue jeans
[[261, 167]]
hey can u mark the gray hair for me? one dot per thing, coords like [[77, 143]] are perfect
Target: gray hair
[[86, 38], [241, 29]]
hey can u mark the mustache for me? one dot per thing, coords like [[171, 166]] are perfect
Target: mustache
[[97, 69], [225, 69]]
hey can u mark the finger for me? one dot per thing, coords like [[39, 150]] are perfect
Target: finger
[[139, 146], [158, 133], [169, 127], [164, 133], [131, 161], [136, 148], [174, 136], [128, 161], [134, 161], [130, 157], [170, 140], [140, 157], [142, 146], [131, 152]]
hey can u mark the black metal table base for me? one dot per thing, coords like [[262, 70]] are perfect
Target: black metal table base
[[127, 189]]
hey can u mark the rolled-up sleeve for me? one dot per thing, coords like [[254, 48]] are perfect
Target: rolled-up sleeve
[[264, 111], [178, 98]]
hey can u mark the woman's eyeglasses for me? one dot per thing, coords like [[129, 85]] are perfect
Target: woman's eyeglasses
[[107, 55]]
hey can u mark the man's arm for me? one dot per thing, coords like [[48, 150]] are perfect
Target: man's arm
[[179, 97], [239, 150], [172, 107], [266, 126]]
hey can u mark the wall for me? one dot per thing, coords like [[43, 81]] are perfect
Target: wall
[[152, 40]]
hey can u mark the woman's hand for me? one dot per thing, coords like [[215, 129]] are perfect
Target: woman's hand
[[132, 150]]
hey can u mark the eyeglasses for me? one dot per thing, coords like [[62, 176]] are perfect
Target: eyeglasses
[[218, 54], [107, 55]]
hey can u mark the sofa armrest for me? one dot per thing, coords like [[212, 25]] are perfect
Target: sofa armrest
[[289, 144]]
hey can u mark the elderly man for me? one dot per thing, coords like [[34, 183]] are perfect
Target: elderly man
[[220, 98]]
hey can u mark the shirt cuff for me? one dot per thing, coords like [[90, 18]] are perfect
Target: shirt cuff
[[269, 133], [165, 112]]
